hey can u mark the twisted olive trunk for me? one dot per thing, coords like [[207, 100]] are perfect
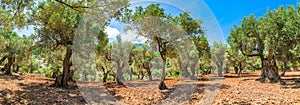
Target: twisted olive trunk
[[8, 65], [269, 70], [62, 81]]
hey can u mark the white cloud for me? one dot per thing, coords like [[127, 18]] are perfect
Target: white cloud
[[133, 37], [112, 32], [129, 36]]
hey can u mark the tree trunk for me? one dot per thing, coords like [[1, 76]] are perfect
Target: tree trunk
[[62, 81], [220, 69], [71, 72], [284, 68], [240, 69], [130, 74], [185, 72], [162, 85], [119, 76], [105, 77], [269, 70], [7, 67], [197, 70], [193, 69], [149, 74], [16, 70], [142, 75], [226, 70], [236, 70], [54, 74]]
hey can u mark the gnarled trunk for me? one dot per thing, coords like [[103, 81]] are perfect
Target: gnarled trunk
[[269, 70], [62, 81], [8, 65]]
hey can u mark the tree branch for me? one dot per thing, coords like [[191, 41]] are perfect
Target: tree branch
[[3, 59], [248, 55], [71, 6]]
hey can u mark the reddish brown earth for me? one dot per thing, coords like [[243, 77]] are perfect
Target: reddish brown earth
[[16, 90]]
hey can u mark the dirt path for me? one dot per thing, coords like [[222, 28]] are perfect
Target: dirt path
[[207, 90]]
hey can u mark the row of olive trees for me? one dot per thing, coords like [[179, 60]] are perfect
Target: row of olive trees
[[56, 25]]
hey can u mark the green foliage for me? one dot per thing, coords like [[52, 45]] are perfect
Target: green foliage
[[274, 34]]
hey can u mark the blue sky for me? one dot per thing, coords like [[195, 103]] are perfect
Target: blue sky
[[230, 12]]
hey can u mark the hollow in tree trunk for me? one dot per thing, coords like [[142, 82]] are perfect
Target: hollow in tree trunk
[[62, 81]]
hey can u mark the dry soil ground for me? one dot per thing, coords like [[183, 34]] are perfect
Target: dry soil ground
[[207, 89]]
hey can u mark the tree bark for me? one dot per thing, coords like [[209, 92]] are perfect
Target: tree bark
[[130, 74], [236, 70], [71, 72], [284, 68], [193, 69], [119, 75], [105, 77], [162, 85], [62, 81], [8, 65], [142, 75], [220, 69], [240, 69], [185, 72], [269, 70], [149, 74], [146, 66], [54, 74]]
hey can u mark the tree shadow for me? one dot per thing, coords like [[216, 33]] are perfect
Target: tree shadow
[[40, 93], [293, 83], [188, 91], [10, 77]]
